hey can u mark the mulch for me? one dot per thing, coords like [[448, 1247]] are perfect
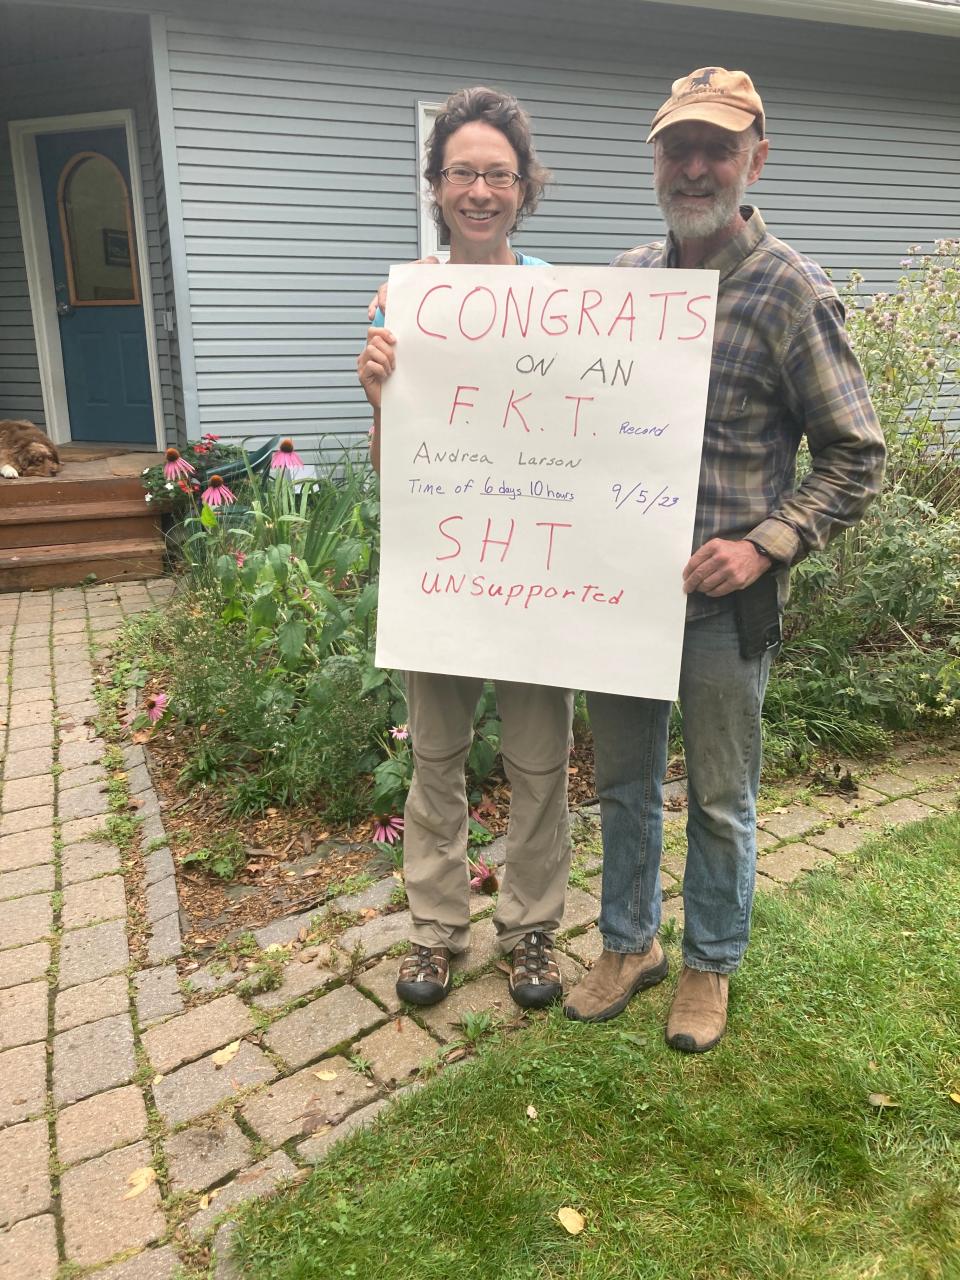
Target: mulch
[[295, 860]]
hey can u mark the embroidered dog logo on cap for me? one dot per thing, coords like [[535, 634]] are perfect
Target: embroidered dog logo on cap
[[702, 81]]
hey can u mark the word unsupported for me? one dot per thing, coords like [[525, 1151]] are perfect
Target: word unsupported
[[631, 314], [454, 584]]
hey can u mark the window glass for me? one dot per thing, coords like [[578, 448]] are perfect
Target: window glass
[[97, 240]]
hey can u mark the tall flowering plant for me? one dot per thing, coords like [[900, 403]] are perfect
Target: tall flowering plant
[[178, 481]]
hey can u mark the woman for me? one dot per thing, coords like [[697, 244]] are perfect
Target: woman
[[484, 176]]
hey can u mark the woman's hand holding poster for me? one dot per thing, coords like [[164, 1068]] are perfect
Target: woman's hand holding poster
[[540, 457]]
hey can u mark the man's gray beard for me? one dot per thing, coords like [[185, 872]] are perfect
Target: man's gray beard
[[700, 224]]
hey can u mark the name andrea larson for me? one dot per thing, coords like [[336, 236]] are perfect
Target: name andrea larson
[[486, 315]]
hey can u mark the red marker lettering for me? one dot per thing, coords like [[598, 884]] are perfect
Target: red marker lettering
[[560, 317], [676, 293], [460, 404], [585, 310], [512, 408], [576, 412], [523, 323], [691, 337], [475, 337], [450, 538], [423, 302], [626, 314], [496, 542], [551, 525]]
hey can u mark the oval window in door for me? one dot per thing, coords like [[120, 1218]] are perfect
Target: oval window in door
[[97, 232]]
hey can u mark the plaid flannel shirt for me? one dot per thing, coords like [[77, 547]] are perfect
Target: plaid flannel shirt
[[782, 368]]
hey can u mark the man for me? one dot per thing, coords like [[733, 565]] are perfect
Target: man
[[782, 368]]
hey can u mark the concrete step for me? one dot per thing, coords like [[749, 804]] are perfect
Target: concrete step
[[24, 568]]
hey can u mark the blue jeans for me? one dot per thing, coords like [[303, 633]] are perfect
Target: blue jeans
[[721, 697]]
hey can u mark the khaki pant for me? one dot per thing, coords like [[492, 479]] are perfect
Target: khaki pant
[[535, 747]]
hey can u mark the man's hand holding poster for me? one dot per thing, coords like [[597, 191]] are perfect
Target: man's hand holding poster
[[540, 458]]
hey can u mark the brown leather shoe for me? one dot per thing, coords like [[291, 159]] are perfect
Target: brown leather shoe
[[614, 978], [698, 1015], [424, 976]]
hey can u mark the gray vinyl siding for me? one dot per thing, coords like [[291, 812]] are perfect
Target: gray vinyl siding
[[19, 374], [66, 65], [297, 159]]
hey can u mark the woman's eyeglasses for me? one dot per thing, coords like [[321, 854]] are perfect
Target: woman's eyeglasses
[[460, 175]]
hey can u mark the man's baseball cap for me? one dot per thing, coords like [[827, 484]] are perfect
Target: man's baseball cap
[[714, 95]]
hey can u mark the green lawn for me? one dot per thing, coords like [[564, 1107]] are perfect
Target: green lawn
[[764, 1158]]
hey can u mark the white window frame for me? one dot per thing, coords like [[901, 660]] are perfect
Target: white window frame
[[428, 233]]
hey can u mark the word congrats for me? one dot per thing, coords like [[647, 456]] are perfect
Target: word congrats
[[540, 456]]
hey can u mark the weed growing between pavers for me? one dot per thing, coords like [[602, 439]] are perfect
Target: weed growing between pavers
[[764, 1158]]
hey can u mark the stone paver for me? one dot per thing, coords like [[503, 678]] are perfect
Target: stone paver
[[309, 1032], [99, 1124], [165, 940], [30, 736], [842, 840], [81, 776], [98, 1221], [197, 1032], [317, 1096], [83, 829], [926, 771], [25, 920], [789, 862], [83, 802], [75, 755], [890, 784], [28, 1251], [377, 936], [152, 1264], [92, 1058], [299, 979], [23, 1083], [895, 814], [260, 1180], [397, 1051], [487, 993], [25, 1161], [23, 1015], [92, 953], [94, 900], [203, 1154], [581, 908], [87, 860], [797, 821], [946, 799], [157, 866], [17, 884], [158, 994], [381, 981], [161, 898], [200, 1086], [315, 1148], [24, 964], [40, 816], [587, 947], [29, 850], [24, 793], [26, 764], [90, 1002]]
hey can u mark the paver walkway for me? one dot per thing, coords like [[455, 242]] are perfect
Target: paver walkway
[[139, 1104]]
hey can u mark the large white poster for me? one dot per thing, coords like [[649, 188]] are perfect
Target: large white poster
[[540, 455]]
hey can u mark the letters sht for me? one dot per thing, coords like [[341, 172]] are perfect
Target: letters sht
[[540, 457]]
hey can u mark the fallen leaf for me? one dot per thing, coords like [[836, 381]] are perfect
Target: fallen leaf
[[325, 1075], [156, 1079], [227, 1054], [141, 736], [571, 1220], [274, 946], [138, 1182], [881, 1100], [955, 1097], [532, 1112], [455, 1055]]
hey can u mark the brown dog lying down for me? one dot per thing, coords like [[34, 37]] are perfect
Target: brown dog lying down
[[26, 451]]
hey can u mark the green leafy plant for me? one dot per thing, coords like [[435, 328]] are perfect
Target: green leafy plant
[[224, 856]]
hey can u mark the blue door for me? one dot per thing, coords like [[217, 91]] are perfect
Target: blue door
[[86, 194]]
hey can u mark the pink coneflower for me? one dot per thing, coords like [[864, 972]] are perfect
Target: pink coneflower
[[176, 466], [400, 733], [241, 558], [388, 830], [155, 706], [217, 494], [210, 436], [286, 456], [483, 878]]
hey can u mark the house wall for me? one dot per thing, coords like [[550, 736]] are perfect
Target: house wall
[[59, 62], [296, 152]]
